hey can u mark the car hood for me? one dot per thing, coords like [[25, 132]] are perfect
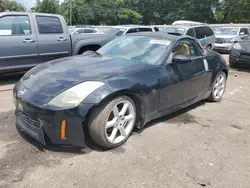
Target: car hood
[[52, 78], [225, 36]]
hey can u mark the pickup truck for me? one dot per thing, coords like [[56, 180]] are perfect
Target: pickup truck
[[27, 39]]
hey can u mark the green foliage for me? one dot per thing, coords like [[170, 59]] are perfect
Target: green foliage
[[111, 12], [47, 6], [11, 6]]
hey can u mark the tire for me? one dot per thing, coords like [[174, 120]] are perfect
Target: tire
[[209, 48], [86, 51], [218, 88], [111, 125]]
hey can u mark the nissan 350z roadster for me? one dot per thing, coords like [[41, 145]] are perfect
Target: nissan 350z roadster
[[130, 81]]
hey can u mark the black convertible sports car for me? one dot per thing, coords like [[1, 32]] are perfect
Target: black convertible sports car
[[127, 83], [240, 54]]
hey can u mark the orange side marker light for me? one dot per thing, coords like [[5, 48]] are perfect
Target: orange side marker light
[[63, 129]]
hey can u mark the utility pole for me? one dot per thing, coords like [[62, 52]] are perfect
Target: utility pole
[[70, 4]]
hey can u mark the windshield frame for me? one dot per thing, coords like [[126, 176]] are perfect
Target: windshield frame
[[162, 60], [226, 33]]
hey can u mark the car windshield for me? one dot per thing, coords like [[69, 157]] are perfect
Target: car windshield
[[175, 30], [143, 49], [227, 31]]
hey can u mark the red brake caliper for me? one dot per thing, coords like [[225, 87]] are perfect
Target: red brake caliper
[[111, 116]]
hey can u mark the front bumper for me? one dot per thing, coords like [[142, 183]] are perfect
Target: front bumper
[[239, 58], [225, 47], [45, 125]]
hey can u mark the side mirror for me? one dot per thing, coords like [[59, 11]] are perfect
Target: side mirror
[[180, 59], [242, 33]]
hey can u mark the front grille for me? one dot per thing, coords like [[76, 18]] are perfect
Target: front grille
[[219, 40], [30, 123]]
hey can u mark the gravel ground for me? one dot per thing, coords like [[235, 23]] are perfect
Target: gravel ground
[[206, 145]]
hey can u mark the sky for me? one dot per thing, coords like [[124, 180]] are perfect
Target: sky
[[28, 3]]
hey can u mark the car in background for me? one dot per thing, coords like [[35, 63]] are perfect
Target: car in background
[[240, 54], [126, 29], [186, 22], [226, 37], [202, 32], [79, 30], [130, 81], [28, 39]]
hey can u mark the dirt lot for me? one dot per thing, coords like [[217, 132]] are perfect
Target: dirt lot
[[206, 145]]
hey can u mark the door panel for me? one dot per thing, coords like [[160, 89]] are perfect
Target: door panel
[[18, 47], [176, 85], [183, 82], [53, 41]]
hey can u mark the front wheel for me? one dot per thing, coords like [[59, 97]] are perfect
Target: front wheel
[[209, 48], [218, 88], [111, 125]]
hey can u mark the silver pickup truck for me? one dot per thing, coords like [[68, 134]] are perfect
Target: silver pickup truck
[[27, 39]]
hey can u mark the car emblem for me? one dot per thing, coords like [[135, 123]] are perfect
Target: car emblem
[[21, 92]]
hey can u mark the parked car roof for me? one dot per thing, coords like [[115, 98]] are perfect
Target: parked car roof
[[131, 26]]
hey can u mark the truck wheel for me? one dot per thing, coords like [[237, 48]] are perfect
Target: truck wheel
[[89, 48]]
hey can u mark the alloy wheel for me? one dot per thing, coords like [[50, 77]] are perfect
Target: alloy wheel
[[120, 122], [219, 86]]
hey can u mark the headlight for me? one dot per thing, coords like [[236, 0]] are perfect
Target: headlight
[[237, 46], [75, 95]]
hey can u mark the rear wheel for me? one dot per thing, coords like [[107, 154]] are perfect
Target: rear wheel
[[218, 88], [111, 125]]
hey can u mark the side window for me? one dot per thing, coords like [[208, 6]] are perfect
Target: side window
[[246, 31], [49, 25], [131, 31], [190, 32], [14, 25], [187, 47], [145, 30], [242, 31], [90, 31], [80, 31], [209, 31], [119, 33], [200, 33]]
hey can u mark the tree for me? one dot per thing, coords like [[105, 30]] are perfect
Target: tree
[[233, 11], [47, 6], [111, 12], [11, 6], [96, 12]]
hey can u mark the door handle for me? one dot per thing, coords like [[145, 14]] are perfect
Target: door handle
[[28, 41], [62, 39]]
